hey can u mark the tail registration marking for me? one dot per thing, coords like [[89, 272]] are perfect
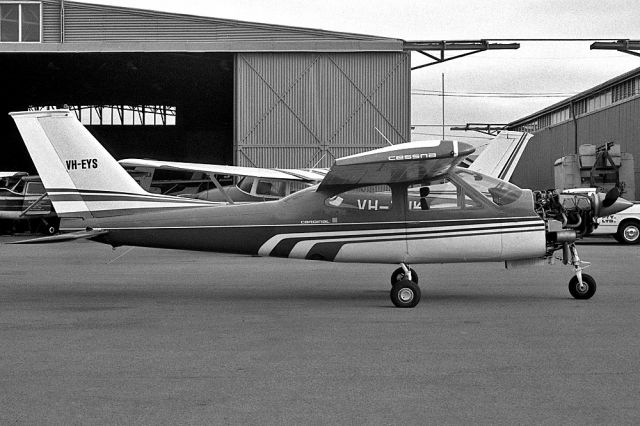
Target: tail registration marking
[[84, 164]]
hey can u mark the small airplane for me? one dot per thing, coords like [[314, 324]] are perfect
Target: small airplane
[[488, 219], [255, 184], [23, 199], [498, 159]]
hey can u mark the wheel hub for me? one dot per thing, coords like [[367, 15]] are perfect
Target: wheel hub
[[631, 233], [582, 287], [406, 295]]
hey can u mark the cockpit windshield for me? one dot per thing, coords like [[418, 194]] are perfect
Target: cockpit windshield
[[498, 191]]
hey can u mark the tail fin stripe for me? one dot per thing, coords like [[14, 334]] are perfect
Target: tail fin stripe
[[512, 157]]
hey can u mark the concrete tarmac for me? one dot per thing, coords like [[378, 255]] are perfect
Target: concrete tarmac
[[170, 337]]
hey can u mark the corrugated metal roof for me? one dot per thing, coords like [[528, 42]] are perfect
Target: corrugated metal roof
[[90, 22], [567, 102]]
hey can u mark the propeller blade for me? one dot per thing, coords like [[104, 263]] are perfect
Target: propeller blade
[[611, 197]]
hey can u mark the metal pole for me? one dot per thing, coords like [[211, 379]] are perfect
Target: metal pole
[[442, 106]]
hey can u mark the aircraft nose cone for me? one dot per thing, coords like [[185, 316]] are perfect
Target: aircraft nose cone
[[618, 205]]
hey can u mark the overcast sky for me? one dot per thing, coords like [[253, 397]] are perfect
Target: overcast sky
[[537, 67]]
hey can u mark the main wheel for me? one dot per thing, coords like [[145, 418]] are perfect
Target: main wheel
[[628, 232], [405, 294], [399, 275], [584, 291]]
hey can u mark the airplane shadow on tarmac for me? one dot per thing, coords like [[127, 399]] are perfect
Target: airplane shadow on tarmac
[[95, 300]]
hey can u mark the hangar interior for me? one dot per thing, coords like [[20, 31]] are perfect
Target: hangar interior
[[180, 87], [198, 86]]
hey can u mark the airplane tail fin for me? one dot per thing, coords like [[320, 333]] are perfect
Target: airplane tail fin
[[81, 178], [501, 156]]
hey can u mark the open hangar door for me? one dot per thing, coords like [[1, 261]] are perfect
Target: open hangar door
[[172, 106]]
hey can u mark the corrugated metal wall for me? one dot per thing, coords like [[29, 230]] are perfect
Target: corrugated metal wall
[[305, 109], [51, 22], [619, 123]]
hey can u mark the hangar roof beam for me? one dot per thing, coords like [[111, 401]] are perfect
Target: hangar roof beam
[[624, 45], [474, 46], [491, 129]]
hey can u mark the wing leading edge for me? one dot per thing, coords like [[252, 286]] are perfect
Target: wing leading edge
[[409, 162], [282, 174]]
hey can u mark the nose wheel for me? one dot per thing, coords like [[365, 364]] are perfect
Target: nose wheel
[[584, 289], [405, 292]]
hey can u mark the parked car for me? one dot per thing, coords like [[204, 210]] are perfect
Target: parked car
[[624, 226]]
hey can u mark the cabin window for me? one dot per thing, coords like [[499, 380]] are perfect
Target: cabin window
[[20, 22], [35, 188], [495, 190], [19, 187], [440, 195], [370, 198], [295, 186], [245, 184], [271, 188]]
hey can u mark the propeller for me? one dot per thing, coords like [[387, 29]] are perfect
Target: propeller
[[611, 197]]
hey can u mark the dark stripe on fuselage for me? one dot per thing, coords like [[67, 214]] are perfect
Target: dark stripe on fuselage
[[284, 247], [12, 204]]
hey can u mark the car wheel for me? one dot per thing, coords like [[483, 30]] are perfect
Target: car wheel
[[629, 232]]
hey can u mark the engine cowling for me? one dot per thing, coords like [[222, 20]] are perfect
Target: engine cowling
[[572, 214]]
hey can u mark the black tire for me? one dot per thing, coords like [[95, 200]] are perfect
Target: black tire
[[586, 292], [628, 232], [405, 294], [398, 275]]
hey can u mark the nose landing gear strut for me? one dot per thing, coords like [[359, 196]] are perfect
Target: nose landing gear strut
[[581, 286]]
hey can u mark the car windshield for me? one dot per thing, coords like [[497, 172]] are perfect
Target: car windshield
[[498, 191]]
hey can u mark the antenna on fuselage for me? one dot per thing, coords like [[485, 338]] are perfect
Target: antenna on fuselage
[[385, 138]]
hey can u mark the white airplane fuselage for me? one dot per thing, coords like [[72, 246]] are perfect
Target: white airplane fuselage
[[306, 226]]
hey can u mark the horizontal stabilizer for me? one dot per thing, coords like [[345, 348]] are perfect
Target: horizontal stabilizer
[[60, 238], [409, 162]]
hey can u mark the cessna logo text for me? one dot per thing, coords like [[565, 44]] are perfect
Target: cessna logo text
[[84, 164], [412, 156]]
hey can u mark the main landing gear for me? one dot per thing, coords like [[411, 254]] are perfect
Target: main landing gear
[[405, 292], [581, 286]]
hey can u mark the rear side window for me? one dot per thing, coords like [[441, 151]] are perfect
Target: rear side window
[[35, 188]]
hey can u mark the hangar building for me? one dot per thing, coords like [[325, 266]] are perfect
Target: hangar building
[[609, 112], [193, 88]]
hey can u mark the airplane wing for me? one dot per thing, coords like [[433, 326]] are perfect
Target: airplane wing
[[501, 156], [60, 238], [409, 162], [12, 174], [310, 175]]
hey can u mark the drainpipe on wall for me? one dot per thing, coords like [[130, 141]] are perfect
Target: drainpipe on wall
[[61, 21], [575, 127]]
